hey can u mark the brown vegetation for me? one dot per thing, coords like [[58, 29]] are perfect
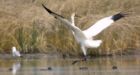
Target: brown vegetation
[[26, 25]]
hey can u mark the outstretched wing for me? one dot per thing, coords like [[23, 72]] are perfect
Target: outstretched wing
[[102, 24], [78, 33]]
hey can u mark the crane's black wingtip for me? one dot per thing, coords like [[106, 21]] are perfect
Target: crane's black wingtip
[[118, 16], [47, 9], [51, 12]]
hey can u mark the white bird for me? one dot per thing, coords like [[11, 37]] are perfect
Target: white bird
[[86, 37], [15, 53]]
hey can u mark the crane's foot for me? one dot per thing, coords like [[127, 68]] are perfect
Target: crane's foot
[[84, 58]]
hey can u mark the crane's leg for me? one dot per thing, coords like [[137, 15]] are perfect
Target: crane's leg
[[85, 53], [84, 58]]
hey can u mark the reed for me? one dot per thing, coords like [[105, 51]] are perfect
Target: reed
[[31, 29]]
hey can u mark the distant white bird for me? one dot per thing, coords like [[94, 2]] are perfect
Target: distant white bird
[[15, 53], [86, 38]]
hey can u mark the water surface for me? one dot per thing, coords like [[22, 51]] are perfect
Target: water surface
[[43, 64]]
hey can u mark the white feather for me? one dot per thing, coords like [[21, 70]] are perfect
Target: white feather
[[98, 27]]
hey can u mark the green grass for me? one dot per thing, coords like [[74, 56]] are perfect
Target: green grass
[[31, 29]]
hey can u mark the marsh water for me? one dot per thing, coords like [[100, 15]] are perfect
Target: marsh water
[[44, 64]]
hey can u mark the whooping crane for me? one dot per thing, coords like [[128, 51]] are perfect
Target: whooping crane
[[86, 37]]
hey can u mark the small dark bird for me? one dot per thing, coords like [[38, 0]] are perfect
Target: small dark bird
[[114, 67]]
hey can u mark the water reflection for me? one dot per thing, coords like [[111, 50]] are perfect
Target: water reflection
[[55, 65], [15, 67]]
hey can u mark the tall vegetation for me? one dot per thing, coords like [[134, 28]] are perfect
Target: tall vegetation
[[26, 25]]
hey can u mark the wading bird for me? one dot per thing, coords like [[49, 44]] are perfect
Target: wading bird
[[15, 53], [86, 37]]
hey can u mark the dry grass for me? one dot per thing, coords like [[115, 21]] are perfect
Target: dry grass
[[26, 25]]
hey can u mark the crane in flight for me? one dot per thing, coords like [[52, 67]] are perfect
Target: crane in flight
[[86, 37]]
